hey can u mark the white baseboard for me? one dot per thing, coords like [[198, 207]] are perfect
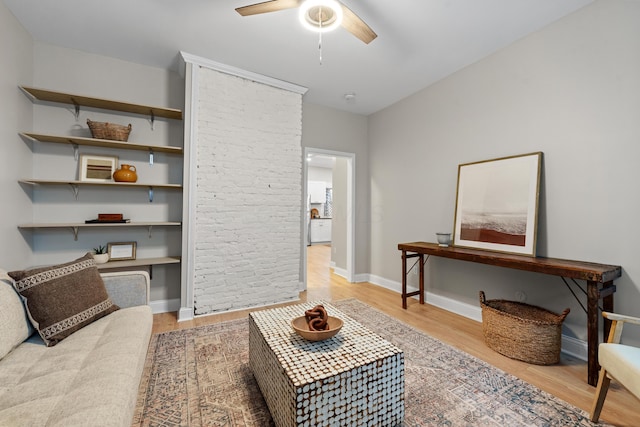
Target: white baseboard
[[185, 314], [188, 313], [571, 346], [358, 278], [340, 272], [253, 307], [575, 347], [381, 281], [461, 308], [165, 305]]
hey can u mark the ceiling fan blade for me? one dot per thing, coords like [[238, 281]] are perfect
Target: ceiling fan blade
[[267, 6], [356, 26]]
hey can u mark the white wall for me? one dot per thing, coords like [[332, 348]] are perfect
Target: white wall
[[325, 175], [339, 219], [330, 129], [247, 193], [571, 90], [16, 115]]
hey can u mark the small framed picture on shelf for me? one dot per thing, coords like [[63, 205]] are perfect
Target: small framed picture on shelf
[[97, 168], [121, 251]]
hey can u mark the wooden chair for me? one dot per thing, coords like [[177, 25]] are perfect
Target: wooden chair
[[619, 362]]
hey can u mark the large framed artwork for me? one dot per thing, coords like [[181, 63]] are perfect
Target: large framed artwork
[[497, 204]]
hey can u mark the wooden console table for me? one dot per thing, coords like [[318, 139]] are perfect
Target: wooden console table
[[599, 278]]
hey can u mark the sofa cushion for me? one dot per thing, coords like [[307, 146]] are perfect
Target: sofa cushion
[[14, 325], [91, 378], [63, 298]]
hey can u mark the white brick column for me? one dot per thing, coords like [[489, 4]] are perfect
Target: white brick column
[[246, 206]]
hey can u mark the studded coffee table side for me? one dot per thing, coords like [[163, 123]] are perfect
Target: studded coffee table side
[[355, 378]]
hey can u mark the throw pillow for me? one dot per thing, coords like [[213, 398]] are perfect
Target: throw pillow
[[64, 298], [14, 325]]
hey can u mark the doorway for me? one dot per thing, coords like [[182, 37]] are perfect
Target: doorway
[[343, 214]]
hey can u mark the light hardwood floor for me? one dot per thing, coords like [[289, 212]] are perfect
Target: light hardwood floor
[[566, 380]]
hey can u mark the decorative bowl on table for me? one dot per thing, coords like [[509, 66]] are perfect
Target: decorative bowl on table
[[444, 239], [300, 325]]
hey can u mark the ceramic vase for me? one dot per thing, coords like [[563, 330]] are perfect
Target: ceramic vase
[[126, 173]]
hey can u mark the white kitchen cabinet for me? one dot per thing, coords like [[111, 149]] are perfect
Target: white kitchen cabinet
[[317, 191], [320, 230]]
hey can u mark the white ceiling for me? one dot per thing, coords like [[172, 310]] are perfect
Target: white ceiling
[[419, 41]]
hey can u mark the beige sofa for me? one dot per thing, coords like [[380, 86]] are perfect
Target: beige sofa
[[89, 378]]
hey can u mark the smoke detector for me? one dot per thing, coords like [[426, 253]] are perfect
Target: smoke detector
[[350, 97]]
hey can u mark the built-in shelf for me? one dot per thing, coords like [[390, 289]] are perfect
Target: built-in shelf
[[75, 185], [105, 104], [75, 142], [95, 142], [76, 226], [109, 224], [96, 183], [140, 262]]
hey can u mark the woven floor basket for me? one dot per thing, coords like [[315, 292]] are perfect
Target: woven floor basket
[[522, 331], [112, 131]]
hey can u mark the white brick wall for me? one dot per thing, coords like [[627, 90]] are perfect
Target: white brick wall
[[247, 248]]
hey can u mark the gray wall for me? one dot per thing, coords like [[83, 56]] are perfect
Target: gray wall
[[572, 91], [330, 129], [74, 71], [57, 68], [16, 114]]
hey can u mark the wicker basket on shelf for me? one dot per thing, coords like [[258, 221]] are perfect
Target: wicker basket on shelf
[[522, 331], [105, 130]]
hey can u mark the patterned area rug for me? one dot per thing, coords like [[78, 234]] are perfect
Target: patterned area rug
[[200, 377]]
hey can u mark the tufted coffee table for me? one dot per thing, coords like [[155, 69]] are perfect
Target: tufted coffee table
[[353, 379]]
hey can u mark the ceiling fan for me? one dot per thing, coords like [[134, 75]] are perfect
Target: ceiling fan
[[318, 15]]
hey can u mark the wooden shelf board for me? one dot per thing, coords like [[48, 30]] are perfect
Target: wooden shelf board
[[66, 98], [140, 262], [107, 184], [94, 225], [96, 142]]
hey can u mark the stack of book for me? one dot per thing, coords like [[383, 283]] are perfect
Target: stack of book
[[108, 218]]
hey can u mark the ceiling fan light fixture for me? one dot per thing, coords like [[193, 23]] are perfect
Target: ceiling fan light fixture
[[320, 15]]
